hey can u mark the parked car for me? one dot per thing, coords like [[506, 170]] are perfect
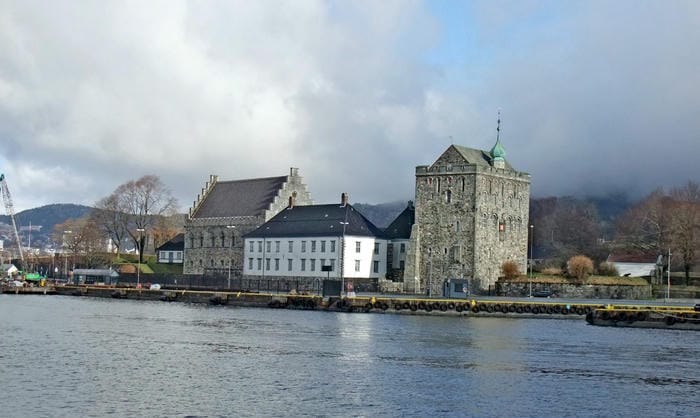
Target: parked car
[[154, 286], [543, 294]]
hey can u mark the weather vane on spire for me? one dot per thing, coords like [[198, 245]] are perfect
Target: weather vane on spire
[[498, 126]]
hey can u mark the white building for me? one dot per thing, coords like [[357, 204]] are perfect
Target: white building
[[300, 240]]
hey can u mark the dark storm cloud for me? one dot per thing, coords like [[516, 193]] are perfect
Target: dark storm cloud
[[595, 95]]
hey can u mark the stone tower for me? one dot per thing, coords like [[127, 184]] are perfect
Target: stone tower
[[471, 216]]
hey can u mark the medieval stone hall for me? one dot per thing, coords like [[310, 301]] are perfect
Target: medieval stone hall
[[226, 210], [470, 216]]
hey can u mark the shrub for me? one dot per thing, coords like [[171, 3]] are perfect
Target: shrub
[[607, 269], [579, 266], [510, 269]]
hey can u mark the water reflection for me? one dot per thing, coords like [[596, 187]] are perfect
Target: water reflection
[[114, 357]]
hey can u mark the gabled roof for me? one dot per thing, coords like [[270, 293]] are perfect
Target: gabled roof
[[401, 226], [177, 243], [477, 156], [249, 197], [315, 221]]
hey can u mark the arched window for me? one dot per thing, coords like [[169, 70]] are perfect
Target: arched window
[[462, 184], [448, 196], [457, 227]]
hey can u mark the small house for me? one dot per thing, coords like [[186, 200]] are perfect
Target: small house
[[172, 251]]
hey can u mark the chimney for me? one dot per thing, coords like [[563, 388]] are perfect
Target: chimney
[[343, 199], [293, 172]]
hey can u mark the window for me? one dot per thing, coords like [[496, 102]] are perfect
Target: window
[[323, 246], [323, 261], [289, 264], [277, 246], [457, 226], [357, 265], [201, 241], [250, 263], [291, 246], [303, 264], [277, 264], [455, 254], [212, 241], [178, 255], [267, 264], [222, 263], [448, 196], [376, 248], [313, 246], [268, 246], [402, 248], [375, 266], [332, 263], [251, 246], [303, 246], [211, 262], [357, 246], [259, 246], [313, 264], [200, 262], [233, 240], [223, 239], [332, 246], [402, 264], [259, 263]]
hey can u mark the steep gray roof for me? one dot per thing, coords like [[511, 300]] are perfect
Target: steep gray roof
[[248, 197], [477, 156], [177, 243], [401, 226], [317, 220]]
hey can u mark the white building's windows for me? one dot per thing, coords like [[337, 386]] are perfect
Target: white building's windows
[[277, 246], [376, 248], [277, 264], [267, 264], [289, 264], [375, 266], [323, 246], [178, 255], [303, 246], [291, 246], [357, 265], [332, 246], [268, 246], [259, 263], [250, 263], [251, 246], [313, 264], [402, 264], [259, 246], [323, 261], [332, 264], [303, 264], [402, 248], [357, 246], [313, 246]]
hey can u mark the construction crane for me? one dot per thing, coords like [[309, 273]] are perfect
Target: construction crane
[[9, 208]]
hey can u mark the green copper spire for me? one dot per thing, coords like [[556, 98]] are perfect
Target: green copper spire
[[498, 153]]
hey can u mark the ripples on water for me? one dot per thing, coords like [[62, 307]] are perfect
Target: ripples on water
[[67, 356]]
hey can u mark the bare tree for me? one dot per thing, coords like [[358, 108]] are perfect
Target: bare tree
[[142, 201], [685, 224], [111, 218], [81, 238]]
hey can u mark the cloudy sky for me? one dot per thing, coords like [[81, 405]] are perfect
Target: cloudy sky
[[596, 96]]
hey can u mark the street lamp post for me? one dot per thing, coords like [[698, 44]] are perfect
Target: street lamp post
[[138, 268], [342, 257], [65, 256], [532, 238], [230, 260], [430, 272]]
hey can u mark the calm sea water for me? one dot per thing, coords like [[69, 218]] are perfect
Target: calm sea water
[[68, 356]]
